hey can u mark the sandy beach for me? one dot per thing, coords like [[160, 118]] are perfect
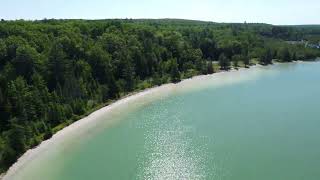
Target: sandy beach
[[80, 127]]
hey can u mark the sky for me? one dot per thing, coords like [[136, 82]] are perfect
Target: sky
[[279, 12]]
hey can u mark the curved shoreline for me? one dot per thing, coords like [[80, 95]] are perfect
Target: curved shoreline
[[82, 125]]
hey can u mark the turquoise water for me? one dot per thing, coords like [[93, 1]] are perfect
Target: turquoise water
[[266, 127]]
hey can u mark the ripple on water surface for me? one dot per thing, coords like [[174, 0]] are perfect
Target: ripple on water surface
[[169, 145]]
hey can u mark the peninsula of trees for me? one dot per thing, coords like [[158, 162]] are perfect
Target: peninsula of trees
[[53, 72]]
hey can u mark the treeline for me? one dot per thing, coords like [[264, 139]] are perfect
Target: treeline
[[52, 72]]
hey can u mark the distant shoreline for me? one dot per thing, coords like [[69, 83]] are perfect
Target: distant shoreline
[[93, 118]]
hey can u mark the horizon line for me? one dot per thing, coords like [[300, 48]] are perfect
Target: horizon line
[[127, 18]]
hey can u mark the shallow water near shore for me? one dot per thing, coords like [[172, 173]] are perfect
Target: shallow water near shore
[[262, 123]]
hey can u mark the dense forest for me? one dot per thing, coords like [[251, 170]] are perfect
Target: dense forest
[[53, 72]]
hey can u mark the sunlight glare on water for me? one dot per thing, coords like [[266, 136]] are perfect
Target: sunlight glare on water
[[168, 148]]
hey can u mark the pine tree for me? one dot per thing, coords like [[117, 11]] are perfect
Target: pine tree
[[285, 55], [175, 74], [224, 62], [210, 69]]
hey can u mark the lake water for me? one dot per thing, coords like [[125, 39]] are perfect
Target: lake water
[[262, 123]]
